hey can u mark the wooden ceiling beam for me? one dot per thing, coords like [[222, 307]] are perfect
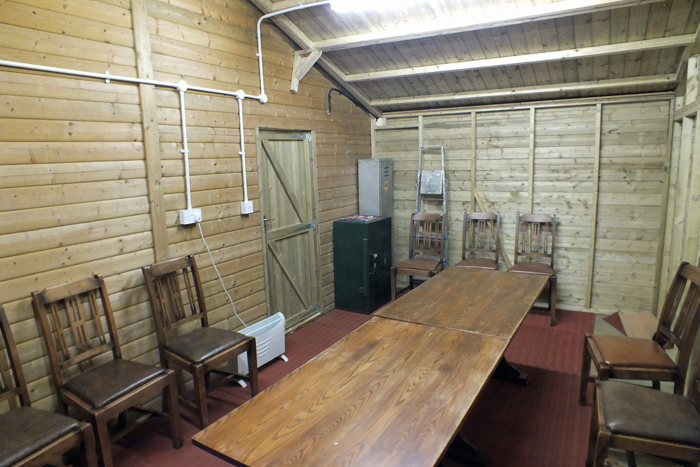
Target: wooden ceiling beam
[[625, 47], [502, 18], [294, 33], [553, 88]]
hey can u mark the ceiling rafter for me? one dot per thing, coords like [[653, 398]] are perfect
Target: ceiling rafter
[[625, 47], [515, 16], [294, 33], [553, 88]]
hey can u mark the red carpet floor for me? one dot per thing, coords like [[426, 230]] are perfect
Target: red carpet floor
[[538, 426]]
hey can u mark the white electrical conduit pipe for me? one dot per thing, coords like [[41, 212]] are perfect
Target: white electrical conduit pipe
[[242, 153]]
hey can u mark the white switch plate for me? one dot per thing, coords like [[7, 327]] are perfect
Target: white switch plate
[[190, 216], [247, 207]]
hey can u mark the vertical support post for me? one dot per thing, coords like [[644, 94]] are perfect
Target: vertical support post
[[472, 202], [664, 211], [532, 160], [419, 201], [682, 199], [594, 204], [692, 223], [151, 138], [373, 137]]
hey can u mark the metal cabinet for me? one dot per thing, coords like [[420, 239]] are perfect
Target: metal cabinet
[[362, 255]]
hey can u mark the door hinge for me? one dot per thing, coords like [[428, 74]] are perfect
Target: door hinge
[[311, 226]]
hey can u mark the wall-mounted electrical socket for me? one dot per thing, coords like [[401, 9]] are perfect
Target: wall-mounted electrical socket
[[247, 207], [190, 216]]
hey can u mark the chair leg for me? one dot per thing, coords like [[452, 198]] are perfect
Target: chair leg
[[105, 447], [631, 459], [599, 441], [552, 300], [656, 385], [393, 284], [89, 446], [200, 396], [253, 367], [173, 409], [585, 372]]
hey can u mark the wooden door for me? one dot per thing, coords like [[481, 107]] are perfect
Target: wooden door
[[289, 212]]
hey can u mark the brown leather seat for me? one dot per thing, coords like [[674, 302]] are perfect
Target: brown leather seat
[[532, 268], [204, 343], [621, 357], [30, 437], [481, 263]]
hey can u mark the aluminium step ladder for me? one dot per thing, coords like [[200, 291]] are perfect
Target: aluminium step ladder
[[432, 187]]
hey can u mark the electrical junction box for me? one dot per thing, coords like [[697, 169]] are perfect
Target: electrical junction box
[[190, 216], [247, 207], [375, 179]]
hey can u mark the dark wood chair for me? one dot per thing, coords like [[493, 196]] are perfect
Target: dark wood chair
[[31, 437], [621, 357], [426, 249], [78, 326], [534, 241], [199, 351], [640, 419], [480, 237]]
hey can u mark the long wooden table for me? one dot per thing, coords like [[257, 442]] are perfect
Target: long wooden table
[[392, 393]]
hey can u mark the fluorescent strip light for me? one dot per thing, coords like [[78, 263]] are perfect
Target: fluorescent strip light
[[350, 6]]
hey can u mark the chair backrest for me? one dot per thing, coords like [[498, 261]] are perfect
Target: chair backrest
[[480, 233], [166, 281], [19, 388], [534, 237], [77, 323], [680, 316], [427, 236]]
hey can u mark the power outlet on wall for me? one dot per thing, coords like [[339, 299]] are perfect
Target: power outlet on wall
[[190, 216]]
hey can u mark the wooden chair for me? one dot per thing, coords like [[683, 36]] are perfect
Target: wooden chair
[[534, 239], [426, 249], [30, 437], [76, 332], [640, 419], [621, 357], [199, 351], [480, 236]]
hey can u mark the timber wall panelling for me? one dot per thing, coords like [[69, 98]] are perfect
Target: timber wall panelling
[[91, 172], [600, 167]]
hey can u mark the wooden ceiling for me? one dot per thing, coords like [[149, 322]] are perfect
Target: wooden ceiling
[[446, 53]]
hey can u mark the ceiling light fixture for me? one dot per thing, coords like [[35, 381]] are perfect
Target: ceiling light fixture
[[350, 6]]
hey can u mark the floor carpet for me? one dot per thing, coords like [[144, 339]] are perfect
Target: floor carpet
[[540, 425]]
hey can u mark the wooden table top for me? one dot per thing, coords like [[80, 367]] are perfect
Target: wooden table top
[[487, 302], [391, 393]]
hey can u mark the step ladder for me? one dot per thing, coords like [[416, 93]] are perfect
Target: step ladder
[[432, 187]]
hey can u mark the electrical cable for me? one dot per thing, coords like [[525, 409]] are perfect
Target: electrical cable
[[219, 274]]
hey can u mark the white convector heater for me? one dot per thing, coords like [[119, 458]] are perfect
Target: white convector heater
[[269, 339]]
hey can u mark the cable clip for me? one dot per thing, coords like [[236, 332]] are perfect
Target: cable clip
[[107, 80], [185, 151]]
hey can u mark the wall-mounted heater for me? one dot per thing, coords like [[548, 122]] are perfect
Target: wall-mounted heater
[[269, 339]]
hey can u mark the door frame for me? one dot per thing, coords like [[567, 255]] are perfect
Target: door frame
[[315, 211]]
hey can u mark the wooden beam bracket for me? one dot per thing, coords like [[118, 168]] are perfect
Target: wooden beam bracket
[[303, 62]]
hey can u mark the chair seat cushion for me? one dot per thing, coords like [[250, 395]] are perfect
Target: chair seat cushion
[[532, 268], [633, 410], [110, 381], [621, 351], [419, 264], [24, 431], [481, 263], [204, 343]]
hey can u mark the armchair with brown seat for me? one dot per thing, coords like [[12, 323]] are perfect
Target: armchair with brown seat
[[198, 351], [641, 419], [426, 249], [31, 437], [480, 240], [622, 357], [79, 329], [534, 242]]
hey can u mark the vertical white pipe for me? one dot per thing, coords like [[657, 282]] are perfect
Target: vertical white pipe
[[182, 87], [242, 153]]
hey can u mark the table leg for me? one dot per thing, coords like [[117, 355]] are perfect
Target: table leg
[[507, 372], [463, 453]]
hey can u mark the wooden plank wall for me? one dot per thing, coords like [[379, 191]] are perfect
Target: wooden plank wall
[[599, 167], [683, 214], [81, 197]]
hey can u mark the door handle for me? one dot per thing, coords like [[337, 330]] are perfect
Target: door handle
[[374, 263], [265, 219]]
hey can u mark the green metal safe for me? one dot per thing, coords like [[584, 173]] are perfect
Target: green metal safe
[[362, 255]]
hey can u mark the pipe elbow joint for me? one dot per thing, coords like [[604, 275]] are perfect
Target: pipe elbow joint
[[263, 98]]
